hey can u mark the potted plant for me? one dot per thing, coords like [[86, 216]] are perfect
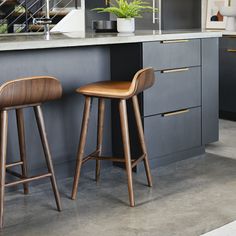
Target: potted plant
[[126, 12]]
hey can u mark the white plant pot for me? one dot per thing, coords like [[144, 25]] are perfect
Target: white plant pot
[[125, 25]]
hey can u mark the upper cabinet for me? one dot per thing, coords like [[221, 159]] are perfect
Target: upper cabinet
[[181, 14], [173, 14]]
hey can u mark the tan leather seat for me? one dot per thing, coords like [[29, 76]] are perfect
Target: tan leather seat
[[142, 80], [106, 89]]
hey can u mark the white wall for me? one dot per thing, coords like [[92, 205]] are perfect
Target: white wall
[[204, 10]]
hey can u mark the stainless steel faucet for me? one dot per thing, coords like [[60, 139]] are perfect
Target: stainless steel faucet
[[46, 21]]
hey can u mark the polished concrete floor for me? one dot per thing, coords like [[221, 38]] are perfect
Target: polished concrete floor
[[189, 198], [226, 146]]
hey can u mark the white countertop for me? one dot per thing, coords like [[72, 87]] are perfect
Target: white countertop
[[228, 33], [37, 41], [224, 32]]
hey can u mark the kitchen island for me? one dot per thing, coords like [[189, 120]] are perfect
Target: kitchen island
[[180, 113]]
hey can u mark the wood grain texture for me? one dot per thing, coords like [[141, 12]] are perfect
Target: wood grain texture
[[3, 153], [29, 91], [142, 139], [22, 145], [126, 145], [43, 135], [100, 126], [80, 153]]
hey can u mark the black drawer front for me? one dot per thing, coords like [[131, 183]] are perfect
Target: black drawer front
[[173, 90], [171, 54], [170, 133]]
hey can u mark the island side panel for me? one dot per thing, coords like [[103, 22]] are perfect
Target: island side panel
[[74, 67], [210, 90]]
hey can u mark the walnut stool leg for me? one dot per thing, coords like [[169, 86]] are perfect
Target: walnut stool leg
[[101, 110], [126, 144], [21, 137], [3, 150], [43, 136], [82, 141], [141, 139]]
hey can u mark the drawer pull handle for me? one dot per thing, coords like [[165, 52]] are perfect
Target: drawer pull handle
[[231, 50], [175, 41], [175, 113], [175, 70]]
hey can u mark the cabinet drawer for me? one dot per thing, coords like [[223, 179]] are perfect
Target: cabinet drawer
[[170, 133], [173, 90], [171, 54]]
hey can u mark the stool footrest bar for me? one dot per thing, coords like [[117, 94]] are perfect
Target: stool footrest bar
[[103, 158], [117, 159], [138, 160], [29, 179], [90, 156], [17, 163]]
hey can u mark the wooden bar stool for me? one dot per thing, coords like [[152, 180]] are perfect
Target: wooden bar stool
[[123, 91], [19, 94]]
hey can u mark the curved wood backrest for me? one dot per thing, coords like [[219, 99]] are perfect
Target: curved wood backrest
[[28, 91], [143, 79]]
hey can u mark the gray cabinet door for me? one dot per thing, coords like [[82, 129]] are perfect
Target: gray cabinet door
[[169, 134], [228, 74], [173, 90], [181, 14], [210, 90], [172, 54]]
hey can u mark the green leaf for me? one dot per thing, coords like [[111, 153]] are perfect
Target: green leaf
[[125, 9]]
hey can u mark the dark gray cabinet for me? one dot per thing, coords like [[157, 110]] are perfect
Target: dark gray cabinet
[[174, 89], [175, 14], [173, 132], [228, 77], [210, 90], [180, 112], [181, 14], [172, 54]]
